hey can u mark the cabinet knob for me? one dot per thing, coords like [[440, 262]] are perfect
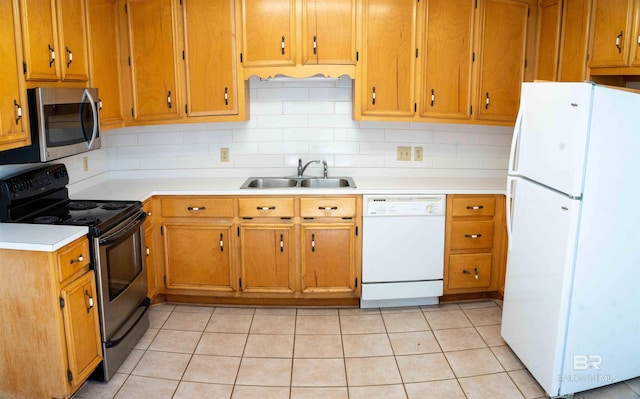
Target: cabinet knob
[[18, 111], [77, 260], [69, 57], [433, 97], [618, 39], [196, 208], [266, 208], [487, 101], [89, 301], [328, 208], [475, 207], [282, 45], [473, 235], [52, 55]]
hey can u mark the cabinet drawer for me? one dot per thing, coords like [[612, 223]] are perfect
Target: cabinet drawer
[[328, 207], [471, 235], [463, 270], [473, 207], [197, 207], [72, 258], [265, 207]]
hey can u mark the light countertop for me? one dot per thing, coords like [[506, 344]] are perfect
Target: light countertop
[[52, 237]]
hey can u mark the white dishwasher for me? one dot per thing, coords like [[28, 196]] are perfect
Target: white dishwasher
[[402, 250]]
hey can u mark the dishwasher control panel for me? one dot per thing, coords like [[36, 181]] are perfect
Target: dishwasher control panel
[[404, 205]]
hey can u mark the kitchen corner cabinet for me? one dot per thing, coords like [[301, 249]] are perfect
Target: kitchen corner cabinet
[[549, 26], [615, 38], [501, 59], [198, 244], [331, 247], [210, 57], [104, 50], [386, 85], [14, 126], [473, 243], [55, 40], [447, 53], [49, 312], [267, 245], [152, 59]]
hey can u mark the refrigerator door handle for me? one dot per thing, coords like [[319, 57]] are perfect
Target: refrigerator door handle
[[517, 129], [509, 206]]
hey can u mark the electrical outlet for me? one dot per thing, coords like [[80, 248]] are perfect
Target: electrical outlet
[[417, 153], [404, 153], [85, 163], [224, 154]]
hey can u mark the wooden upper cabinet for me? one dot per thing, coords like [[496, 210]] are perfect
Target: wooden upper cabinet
[[502, 57], [55, 40], [154, 75], [572, 63], [210, 57], [549, 24], [329, 28], [72, 53], [14, 127], [612, 30], [448, 49], [389, 58], [269, 32], [634, 58], [39, 39], [105, 58]]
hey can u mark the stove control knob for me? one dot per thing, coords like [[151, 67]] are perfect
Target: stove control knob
[[14, 188], [60, 173]]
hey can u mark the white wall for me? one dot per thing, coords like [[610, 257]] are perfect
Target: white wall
[[308, 120]]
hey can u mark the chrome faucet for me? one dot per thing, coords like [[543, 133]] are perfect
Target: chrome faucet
[[301, 168]]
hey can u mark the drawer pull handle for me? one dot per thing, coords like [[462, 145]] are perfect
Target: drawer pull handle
[[281, 243], [78, 260], [221, 242], [475, 272], [473, 235], [266, 208], [196, 208], [148, 251], [475, 207], [313, 243], [90, 301], [328, 208]]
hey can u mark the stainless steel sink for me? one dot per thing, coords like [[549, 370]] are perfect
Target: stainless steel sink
[[329, 182], [304, 182]]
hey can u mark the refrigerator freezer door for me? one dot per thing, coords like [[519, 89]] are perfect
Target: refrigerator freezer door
[[539, 275], [553, 136]]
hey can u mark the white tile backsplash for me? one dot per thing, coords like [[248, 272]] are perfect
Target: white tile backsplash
[[309, 120]]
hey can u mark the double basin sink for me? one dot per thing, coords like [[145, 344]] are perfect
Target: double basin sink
[[301, 182]]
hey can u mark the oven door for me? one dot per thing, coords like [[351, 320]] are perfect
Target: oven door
[[121, 272]]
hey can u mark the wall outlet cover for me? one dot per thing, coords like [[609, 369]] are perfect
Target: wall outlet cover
[[404, 153], [224, 154], [418, 153]]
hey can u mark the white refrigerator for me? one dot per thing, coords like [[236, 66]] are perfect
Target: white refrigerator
[[572, 295]]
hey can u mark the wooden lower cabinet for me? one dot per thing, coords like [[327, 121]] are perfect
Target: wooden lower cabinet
[[198, 256], [49, 311], [473, 244], [329, 259], [267, 252]]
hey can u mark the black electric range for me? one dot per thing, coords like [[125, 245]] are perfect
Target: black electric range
[[40, 196]]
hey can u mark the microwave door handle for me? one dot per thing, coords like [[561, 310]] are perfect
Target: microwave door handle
[[94, 114]]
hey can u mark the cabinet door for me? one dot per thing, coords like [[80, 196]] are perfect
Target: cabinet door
[[268, 32], [574, 41], [634, 58], [502, 54], [13, 106], [153, 68], [389, 58], [105, 58], [612, 22], [549, 23], [82, 332], [39, 39], [266, 253], [198, 256], [212, 86], [446, 90], [328, 258], [72, 28], [329, 32]]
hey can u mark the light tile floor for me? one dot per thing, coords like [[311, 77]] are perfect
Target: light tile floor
[[449, 351]]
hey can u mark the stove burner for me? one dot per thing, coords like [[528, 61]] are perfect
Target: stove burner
[[114, 206], [81, 205], [84, 221], [46, 220]]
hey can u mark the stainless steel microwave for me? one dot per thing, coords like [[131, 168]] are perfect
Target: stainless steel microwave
[[63, 121]]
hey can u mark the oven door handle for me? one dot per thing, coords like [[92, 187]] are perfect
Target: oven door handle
[[146, 302], [124, 231]]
